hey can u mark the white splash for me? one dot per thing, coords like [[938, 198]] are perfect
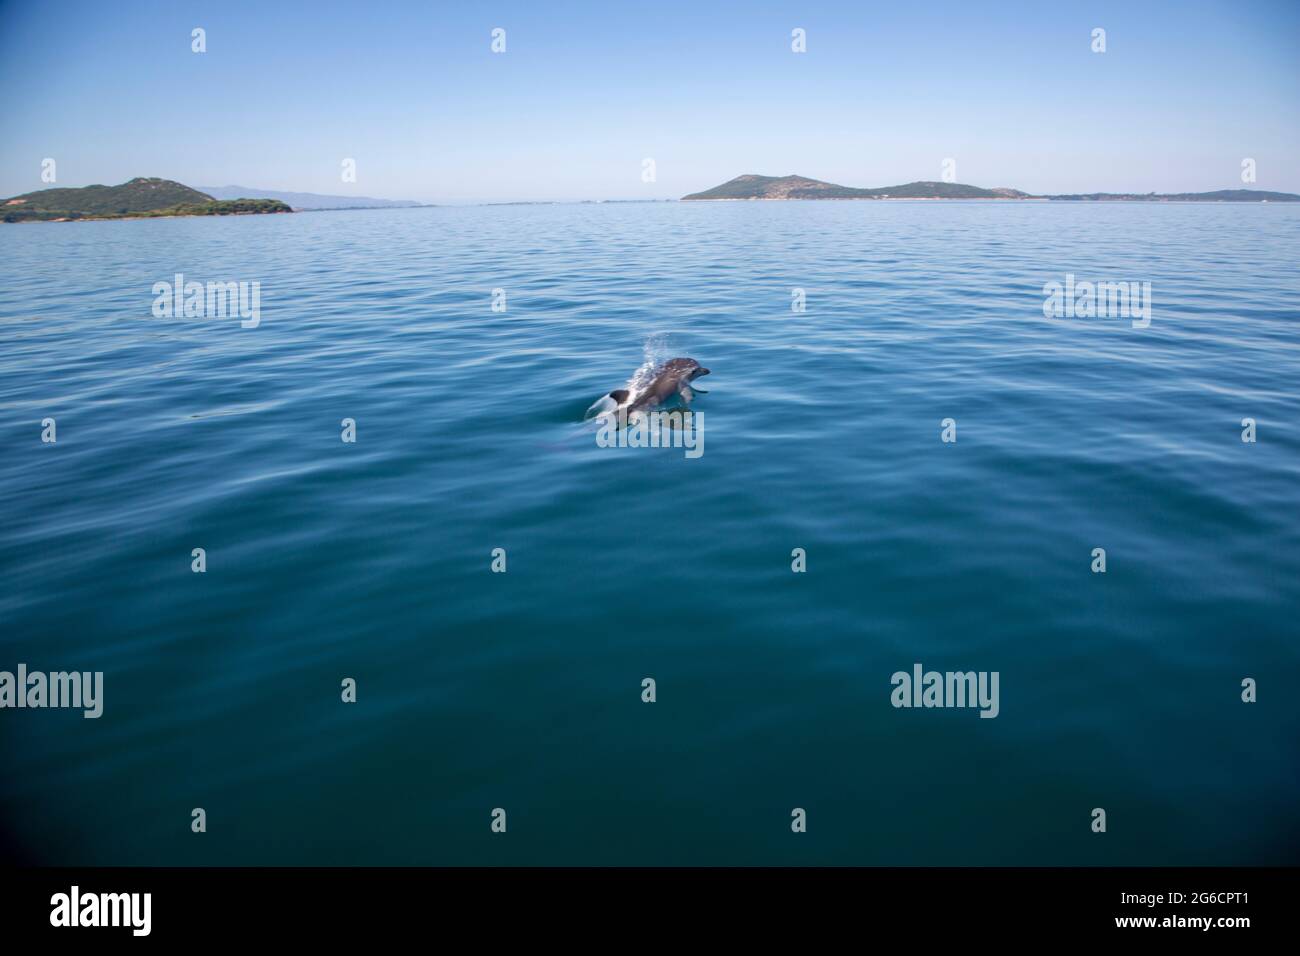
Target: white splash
[[655, 350]]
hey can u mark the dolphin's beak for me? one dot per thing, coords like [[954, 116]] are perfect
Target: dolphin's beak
[[703, 371]]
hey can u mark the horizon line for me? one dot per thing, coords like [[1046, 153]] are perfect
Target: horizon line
[[484, 201]]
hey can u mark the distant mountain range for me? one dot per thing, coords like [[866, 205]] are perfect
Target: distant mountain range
[[151, 197], [142, 197], [751, 186], [305, 201]]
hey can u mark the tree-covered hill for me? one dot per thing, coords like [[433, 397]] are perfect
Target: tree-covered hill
[[141, 197]]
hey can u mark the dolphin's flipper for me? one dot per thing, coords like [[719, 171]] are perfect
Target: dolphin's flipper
[[686, 394]]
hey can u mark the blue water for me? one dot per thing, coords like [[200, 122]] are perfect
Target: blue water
[[522, 690]]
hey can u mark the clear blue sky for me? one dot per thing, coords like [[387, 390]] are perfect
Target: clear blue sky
[[586, 91]]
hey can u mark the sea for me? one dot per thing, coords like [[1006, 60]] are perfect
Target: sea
[[365, 585]]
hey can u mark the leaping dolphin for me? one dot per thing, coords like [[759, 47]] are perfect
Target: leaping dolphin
[[671, 378]]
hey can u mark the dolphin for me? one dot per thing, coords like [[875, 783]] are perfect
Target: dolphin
[[671, 378]]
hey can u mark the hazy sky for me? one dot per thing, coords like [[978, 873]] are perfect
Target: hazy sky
[[586, 91]]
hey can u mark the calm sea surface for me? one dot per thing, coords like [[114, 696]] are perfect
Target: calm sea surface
[[477, 690]]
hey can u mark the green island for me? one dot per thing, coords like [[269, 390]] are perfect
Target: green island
[[801, 187], [141, 198]]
